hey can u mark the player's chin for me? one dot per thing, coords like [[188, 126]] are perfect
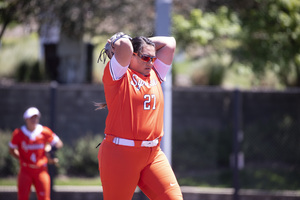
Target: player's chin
[[147, 70]]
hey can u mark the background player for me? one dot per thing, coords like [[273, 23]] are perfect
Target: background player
[[28, 144], [130, 154]]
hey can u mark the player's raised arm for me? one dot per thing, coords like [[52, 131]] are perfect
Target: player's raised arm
[[118, 45], [123, 50], [165, 48]]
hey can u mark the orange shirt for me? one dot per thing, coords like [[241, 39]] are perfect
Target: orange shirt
[[31, 145], [135, 105]]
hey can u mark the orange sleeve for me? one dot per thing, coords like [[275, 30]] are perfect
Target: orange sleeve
[[15, 140], [49, 135]]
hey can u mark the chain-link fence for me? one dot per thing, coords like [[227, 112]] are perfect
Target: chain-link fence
[[263, 127], [271, 126], [204, 123]]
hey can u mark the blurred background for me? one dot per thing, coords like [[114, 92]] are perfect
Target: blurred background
[[235, 85]]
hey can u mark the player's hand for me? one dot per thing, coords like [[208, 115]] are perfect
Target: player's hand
[[48, 148], [53, 161], [108, 49], [100, 106]]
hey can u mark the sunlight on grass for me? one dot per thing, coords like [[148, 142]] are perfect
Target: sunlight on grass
[[15, 50], [77, 181], [61, 180], [8, 181]]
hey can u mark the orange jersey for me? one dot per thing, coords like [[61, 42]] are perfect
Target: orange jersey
[[135, 104], [31, 145]]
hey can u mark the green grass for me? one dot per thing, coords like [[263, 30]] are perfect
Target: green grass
[[77, 181], [12, 181], [8, 181], [249, 178]]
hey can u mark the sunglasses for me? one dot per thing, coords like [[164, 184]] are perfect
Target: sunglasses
[[146, 58]]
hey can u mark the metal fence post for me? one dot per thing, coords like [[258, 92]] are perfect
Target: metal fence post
[[51, 167], [237, 137], [163, 28], [53, 86]]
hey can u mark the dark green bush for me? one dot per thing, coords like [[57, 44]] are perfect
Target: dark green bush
[[36, 74], [29, 72], [212, 71], [200, 150], [80, 158], [9, 166]]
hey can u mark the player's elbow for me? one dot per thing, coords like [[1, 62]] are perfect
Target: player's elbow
[[14, 152], [172, 43], [59, 144], [123, 45]]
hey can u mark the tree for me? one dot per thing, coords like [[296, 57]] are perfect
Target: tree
[[18, 11], [205, 28], [215, 33], [77, 20], [79, 17], [266, 34], [271, 38]]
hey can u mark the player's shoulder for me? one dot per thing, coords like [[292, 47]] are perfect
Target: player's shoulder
[[112, 79], [17, 134], [17, 131], [47, 130]]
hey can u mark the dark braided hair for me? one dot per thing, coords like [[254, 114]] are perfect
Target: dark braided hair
[[138, 43]]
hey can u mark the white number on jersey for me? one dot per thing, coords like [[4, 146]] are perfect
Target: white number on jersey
[[33, 157], [148, 98]]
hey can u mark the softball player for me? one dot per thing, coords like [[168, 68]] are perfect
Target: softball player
[[28, 145], [130, 153]]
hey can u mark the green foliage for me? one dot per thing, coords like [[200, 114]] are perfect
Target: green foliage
[[207, 178], [210, 71], [29, 72], [202, 158], [264, 35], [199, 159], [80, 159], [216, 32], [36, 74], [271, 37], [78, 18], [269, 178], [8, 164], [199, 150], [203, 28]]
